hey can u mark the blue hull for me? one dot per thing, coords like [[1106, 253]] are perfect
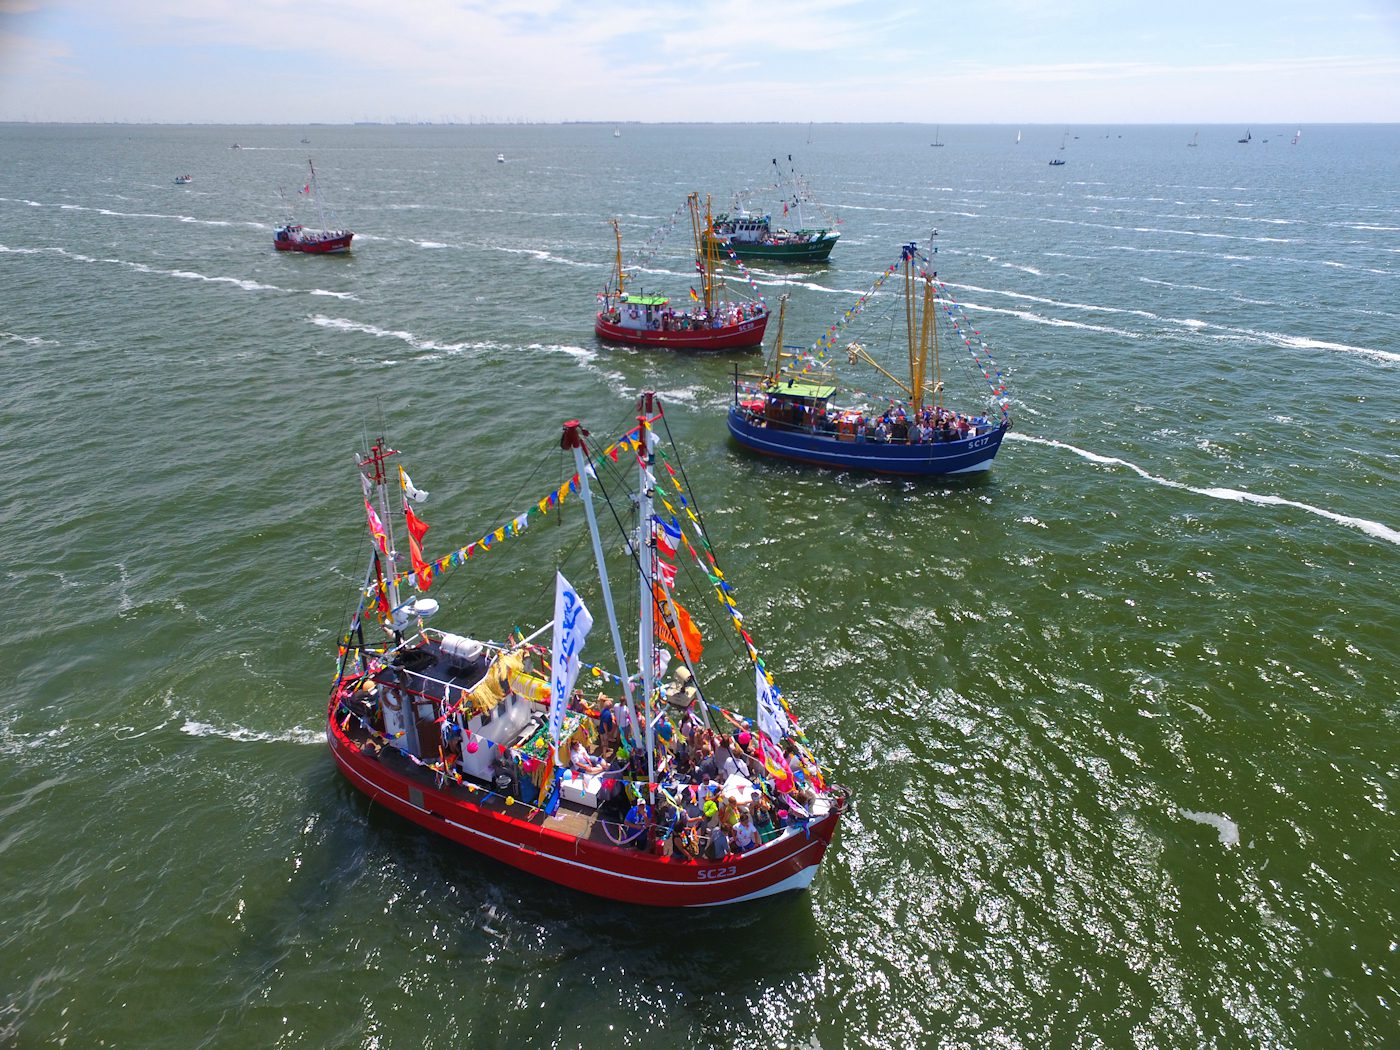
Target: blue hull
[[965, 456]]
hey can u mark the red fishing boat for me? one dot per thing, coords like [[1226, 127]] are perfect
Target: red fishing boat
[[715, 320], [490, 744], [291, 236]]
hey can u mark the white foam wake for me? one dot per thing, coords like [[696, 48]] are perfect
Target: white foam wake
[[1228, 830], [415, 341], [1371, 528], [247, 736]]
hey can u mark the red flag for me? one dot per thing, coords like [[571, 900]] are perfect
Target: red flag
[[666, 572], [417, 529], [306, 188]]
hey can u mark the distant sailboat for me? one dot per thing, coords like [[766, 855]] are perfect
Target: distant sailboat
[[1018, 138], [1247, 136], [617, 133], [937, 132], [1194, 138], [1296, 136], [1064, 140]]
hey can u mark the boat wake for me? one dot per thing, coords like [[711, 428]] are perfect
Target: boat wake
[[1228, 830], [1371, 528], [109, 213], [27, 340], [186, 275], [415, 341], [311, 737]]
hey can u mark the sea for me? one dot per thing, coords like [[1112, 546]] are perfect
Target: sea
[[1121, 717]]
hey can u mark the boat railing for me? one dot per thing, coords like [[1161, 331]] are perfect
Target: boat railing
[[843, 429]]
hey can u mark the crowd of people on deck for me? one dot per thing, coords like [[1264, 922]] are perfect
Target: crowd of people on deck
[[695, 320], [895, 426], [716, 795]]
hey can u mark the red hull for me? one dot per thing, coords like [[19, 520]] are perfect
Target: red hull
[[731, 337], [328, 246], [522, 837]]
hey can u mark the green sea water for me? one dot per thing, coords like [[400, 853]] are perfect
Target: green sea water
[[1120, 717]]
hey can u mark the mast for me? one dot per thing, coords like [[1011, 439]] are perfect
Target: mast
[[704, 249], [573, 439], [646, 640], [793, 185], [907, 255], [917, 381], [777, 369], [316, 194], [931, 319], [617, 234], [399, 720]]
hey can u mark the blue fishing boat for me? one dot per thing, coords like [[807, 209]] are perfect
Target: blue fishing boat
[[788, 411]]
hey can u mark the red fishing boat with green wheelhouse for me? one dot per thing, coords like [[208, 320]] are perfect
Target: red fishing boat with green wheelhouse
[[476, 737]]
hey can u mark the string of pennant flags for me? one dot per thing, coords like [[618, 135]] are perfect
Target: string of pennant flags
[[703, 557], [991, 372], [430, 570], [744, 270], [817, 356]]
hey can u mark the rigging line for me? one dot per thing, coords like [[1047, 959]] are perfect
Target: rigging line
[[708, 597]]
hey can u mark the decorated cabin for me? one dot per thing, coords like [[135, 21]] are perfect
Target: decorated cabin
[[640, 313]]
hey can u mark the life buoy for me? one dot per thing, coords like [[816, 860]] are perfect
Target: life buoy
[[632, 313]]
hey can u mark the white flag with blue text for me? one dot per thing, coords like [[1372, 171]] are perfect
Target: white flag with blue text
[[572, 621], [771, 718]]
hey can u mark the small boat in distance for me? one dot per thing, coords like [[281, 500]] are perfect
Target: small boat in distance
[[1056, 162], [235, 146], [291, 236], [1018, 138], [937, 133], [617, 133], [500, 158], [713, 321], [483, 738], [1194, 137], [752, 236], [1247, 136], [789, 413], [1296, 136], [183, 180]]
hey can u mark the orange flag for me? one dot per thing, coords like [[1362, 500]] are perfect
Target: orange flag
[[689, 639], [417, 529]]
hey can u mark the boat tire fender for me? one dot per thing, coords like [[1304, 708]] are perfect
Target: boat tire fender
[[841, 796]]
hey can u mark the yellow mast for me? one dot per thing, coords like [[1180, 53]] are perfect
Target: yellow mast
[[776, 371], [617, 233], [704, 249], [931, 307]]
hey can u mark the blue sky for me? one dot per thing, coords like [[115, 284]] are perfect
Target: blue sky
[[991, 61]]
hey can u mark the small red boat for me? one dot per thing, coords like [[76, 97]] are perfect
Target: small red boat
[[714, 322], [292, 236], [488, 743]]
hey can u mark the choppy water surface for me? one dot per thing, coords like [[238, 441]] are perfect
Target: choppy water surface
[[1121, 718]]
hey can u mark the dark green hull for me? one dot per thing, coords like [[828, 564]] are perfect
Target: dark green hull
[[812, 251]]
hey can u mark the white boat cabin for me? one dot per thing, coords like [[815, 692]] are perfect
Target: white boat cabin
[[641, 312]]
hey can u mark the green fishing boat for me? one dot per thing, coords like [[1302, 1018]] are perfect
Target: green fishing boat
[[753, 236]]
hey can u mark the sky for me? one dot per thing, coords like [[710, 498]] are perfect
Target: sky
[[987, 61]]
